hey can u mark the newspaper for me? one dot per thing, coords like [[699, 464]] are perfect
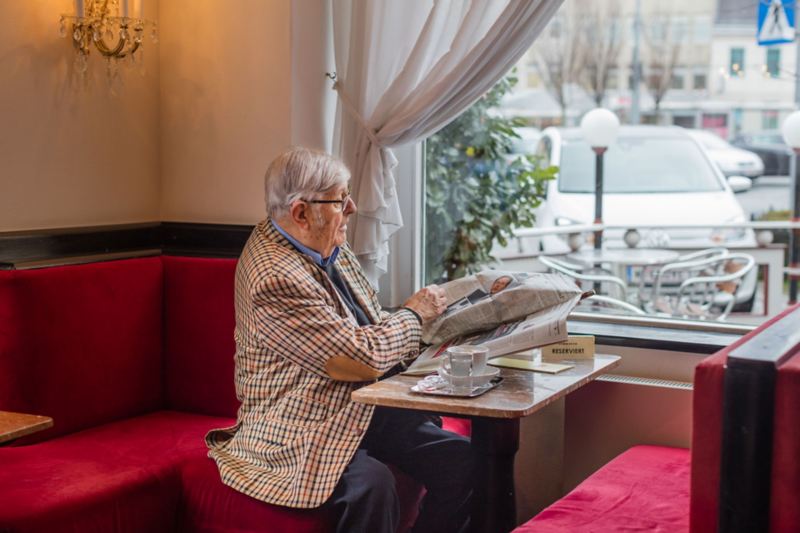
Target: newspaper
[[491, 297], [505, 312]]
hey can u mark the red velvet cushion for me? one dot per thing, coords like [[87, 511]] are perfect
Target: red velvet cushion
[[209, 506], [121, 477], [784, 502], [643, 489], [81, 343], [707, 433], [199, 347]]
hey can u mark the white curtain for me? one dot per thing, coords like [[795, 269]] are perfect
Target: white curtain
[[405, 68]]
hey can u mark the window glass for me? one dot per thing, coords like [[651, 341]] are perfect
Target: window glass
[[736, 67], [637, 165], [690, 74], [699, 81], [769, 120], [773, 62], [710, 141]]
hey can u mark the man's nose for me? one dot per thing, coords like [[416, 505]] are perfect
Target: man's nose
[[350, 206]]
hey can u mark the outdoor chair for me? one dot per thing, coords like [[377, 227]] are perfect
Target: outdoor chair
[[588, 278], [708, 286], [598, 300], [648, 273]]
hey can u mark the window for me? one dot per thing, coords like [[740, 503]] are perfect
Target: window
[[736, 66], [773, 62], [676, 82], [700, 81], [769, 120]]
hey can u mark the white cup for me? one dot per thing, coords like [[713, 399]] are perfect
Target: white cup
[[476, 355]]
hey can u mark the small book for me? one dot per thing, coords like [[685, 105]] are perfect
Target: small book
[[535, 366]]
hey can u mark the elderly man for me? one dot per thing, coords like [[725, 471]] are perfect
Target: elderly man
[[309, 331]]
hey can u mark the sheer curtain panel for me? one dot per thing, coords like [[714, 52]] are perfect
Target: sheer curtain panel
[[404, 70]]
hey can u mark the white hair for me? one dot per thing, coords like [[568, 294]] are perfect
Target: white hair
[[300, 172]]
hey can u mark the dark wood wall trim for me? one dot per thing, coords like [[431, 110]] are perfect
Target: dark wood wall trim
[[178, 238], [216, 240], [24, 246]]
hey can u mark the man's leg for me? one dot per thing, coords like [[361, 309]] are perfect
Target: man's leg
[[439, 459], [365, 499]]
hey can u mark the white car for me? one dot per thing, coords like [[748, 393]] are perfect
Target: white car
[[732, 161], [652, 176]]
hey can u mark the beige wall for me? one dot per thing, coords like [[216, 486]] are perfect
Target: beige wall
[[225, 105], [188, 141], [71, 155]]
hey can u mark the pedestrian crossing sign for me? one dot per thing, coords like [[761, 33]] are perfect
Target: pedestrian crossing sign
[[775, 21]]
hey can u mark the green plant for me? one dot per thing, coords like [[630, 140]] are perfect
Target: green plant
[[476, 194]]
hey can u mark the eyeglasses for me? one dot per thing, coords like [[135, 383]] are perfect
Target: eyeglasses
[[341, 203]]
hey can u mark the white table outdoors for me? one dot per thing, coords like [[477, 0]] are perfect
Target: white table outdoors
[[625, 256], [623, 260]]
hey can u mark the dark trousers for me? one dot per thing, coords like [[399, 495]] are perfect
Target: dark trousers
[[365, 498]]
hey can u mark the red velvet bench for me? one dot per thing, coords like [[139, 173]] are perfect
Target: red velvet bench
[[133, 359], [673, 490]]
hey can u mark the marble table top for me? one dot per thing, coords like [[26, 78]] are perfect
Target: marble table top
[[521, 393]]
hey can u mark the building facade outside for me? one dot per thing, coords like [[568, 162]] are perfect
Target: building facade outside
[[701, 67]]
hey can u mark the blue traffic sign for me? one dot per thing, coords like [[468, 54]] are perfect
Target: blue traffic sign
[[775, 21]]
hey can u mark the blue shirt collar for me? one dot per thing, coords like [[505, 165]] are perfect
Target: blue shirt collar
[[314, 255]]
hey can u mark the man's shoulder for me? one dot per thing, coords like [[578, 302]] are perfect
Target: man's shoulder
[[268, 254]]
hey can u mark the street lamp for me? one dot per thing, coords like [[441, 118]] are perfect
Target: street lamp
[[791, 134], [599, 128]]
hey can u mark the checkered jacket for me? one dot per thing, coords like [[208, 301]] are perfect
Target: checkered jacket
[[299, 355]]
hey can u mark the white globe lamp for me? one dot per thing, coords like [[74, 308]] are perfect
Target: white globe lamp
[[599, 128], [791, 134], [791, 130]]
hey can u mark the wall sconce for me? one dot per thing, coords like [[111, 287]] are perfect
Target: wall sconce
[[114, 27]]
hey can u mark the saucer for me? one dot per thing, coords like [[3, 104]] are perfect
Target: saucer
[[477, 380]]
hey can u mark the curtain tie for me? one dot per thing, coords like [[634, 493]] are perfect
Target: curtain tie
[[351, 109]]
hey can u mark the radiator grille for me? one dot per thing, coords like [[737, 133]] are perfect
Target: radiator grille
[[648, 382]]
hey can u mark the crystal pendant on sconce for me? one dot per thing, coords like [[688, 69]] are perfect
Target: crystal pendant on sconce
[[96, 35], [62, 28], [132, 59], [77, 35], [154, 35], [123, 34], [81, 63]]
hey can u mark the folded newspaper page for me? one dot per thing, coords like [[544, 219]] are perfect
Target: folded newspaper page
[[517, 311], [491, 297]]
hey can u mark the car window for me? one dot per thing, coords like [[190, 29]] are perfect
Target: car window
[[711, 141], [638, 165]]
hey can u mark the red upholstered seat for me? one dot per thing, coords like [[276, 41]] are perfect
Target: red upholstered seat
[[98, 347], [644, 489], [123, 476]]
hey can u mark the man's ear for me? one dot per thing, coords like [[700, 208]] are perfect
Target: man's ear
[[300, 213]]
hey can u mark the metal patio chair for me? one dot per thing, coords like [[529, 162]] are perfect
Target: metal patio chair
[[707, 289]]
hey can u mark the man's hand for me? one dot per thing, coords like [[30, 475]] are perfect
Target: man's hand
[[429, 302]]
